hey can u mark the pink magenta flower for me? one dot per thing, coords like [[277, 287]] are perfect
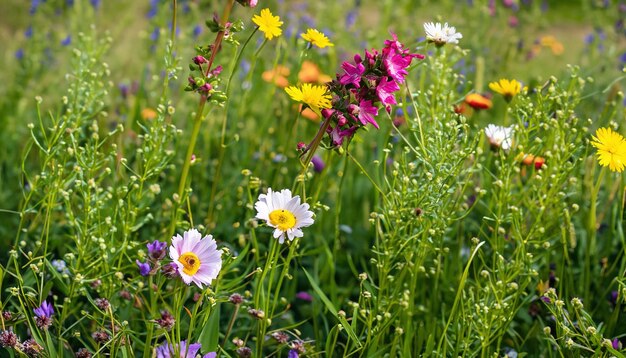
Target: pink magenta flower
[[352, 74], [196, 257], [337, 135], [396, 66], [385, 90], [367, 112]]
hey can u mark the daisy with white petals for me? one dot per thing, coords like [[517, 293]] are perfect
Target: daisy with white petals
[[284, 213], [197, 258], [441, 34], [499, 137]]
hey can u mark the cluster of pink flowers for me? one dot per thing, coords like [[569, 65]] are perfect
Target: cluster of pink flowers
[[365, 83]]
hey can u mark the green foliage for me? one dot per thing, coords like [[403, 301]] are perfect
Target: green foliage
[[430, 237]]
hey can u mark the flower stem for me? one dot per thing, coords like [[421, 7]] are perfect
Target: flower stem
[[182, 184], [231, 324]]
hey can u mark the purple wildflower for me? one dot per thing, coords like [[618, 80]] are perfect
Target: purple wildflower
[[156, 250], [166, 350], [293, 354], [318, 163], [66, 41], [546, 299], [617, 345], [45, 310], [305, 296], [170, 270], [43, 315], [166, 321], [144, 268]]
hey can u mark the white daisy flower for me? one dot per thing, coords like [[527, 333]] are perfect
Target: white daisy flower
[[284, 213], [197, 258], [441, 35], [499, 137]]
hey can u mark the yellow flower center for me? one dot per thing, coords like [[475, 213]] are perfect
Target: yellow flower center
[[191, 263], [282, 219]]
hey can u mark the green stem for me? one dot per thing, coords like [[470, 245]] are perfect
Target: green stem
[[197, 122], [367, 175], [218, 170], [590, 251]]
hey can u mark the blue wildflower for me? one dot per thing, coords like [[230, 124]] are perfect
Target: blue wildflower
[[19, 54], [154, 36], [197, 30]]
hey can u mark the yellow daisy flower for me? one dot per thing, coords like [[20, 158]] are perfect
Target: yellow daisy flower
[[316, 97], [268, 24], [316, 38], [507, 88], [611, 149]]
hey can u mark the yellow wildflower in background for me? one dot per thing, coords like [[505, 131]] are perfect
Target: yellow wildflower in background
[[507, 88], [611, 149], [316, 38], [316, 97], [268, 24]]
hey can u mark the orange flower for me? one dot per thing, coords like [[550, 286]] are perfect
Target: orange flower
[[462, 109], [277, 76], [308, 113], [310, 73], [478, 101], [529, 159], [148, 113]]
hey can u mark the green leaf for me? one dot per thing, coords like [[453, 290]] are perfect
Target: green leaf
[[210, 334], [50, 346], [329, 305]]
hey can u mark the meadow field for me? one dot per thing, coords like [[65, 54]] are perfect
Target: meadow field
[[287, 178]]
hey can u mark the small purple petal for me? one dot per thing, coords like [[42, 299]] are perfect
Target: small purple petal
[[144, 268], [305, 296]]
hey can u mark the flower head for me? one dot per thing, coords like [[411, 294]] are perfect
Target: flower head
[[144, 268], [441, 34], [268, 24], [156, 250], [277, 75], [532, 160], [316, 38], [311, 73], [499, 137], [611, 149], [8, 339], [166, 350], [284, 213], [507, 88], [316, 97], [43, 315], [478, 101], [45, 310], [196, 257]]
